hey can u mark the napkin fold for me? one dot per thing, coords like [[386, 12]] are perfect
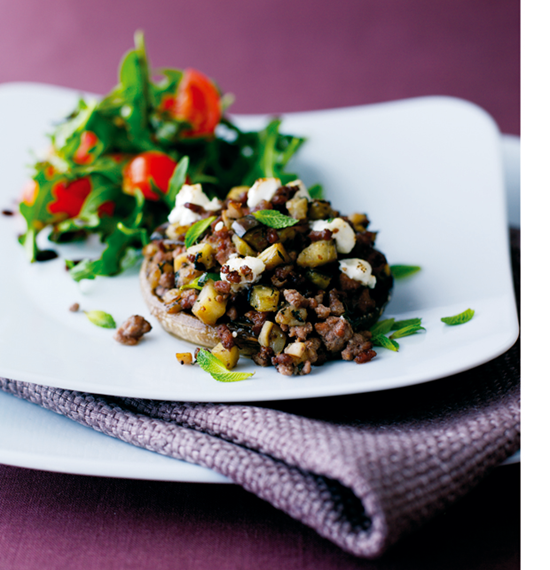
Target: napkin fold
[[361, 470]]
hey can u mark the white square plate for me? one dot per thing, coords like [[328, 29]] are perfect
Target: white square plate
[[428, 172]]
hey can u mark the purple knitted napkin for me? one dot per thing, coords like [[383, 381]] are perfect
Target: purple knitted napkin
[[361, 470]]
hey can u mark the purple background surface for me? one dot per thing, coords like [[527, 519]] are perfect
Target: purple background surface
[[280, 55], [275, 56]]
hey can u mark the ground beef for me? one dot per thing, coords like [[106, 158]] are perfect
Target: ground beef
[[313, 347], [131, 331], [74, 307], [162, 256], [322, 312], [258, 318], [167, 280], [335, 333], [304, 368], [336, 306], [281, 275], [359, 349], [325, 234], [232, 313], [284, 364], [300, 332], [282, 196], [188, 298], [348, 284], [222, 287], [262, 205], [295, 299], [264, 356], [225, 336], [272, 235], [221, 242]]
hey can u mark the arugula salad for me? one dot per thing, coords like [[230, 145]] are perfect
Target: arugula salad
[[115, 165]]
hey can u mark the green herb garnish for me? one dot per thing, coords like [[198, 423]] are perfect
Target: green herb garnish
[[405, 323], [209, 363], [196, 230], [274, 219], [101, 319], [382, 327], [459, 319], [402, 271], [406, 331], [385, 342]]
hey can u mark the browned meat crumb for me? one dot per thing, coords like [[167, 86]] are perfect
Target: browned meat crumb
[[222, 286], [335, 333], [358, 347], [131, 331], [264, 356], [258, 319], [294, 298], [348, 284], [225, 336], [322, 312], [188, 298], [305, 368], [284, 364], [317, 236], [301, 331], [336, 306], [313, 350], [75, 307]]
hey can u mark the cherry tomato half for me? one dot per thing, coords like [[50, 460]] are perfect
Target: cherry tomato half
[[147, 166], [70, 198], [197, 101], [88, 140]]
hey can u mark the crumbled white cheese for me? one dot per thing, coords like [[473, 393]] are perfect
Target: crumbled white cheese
[[192, 194], [235, 263], [218, 226], [343, 233], [262, 189], [358, 270], [302, 190]]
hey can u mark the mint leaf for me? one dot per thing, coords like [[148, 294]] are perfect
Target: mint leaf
[[101, 319], [209, 363], [406, 331], [385, 342], [459, 319], [196, 230], [405, 323], [382, 327], [274, 219], [401, 271]]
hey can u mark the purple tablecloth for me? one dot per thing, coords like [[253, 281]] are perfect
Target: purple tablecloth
[[276, 56]]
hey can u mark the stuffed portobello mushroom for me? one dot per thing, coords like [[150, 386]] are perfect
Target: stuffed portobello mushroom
[[269, 273]]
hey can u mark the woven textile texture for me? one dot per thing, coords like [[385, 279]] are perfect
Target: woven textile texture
[[361, 470]]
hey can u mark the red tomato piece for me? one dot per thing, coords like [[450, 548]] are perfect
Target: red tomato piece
[[197, 102], [106, 209], [70, 197], [147, 166], [88, 140]]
